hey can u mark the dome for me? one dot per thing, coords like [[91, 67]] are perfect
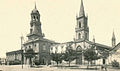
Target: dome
[[35, 11]]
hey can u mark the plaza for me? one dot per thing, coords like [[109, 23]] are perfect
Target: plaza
[[50, 68], [38, 53]]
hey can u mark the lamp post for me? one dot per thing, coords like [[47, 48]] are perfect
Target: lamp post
[[21, 51]]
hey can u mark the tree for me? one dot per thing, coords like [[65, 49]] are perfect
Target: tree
[[70, 55], [57, 57], [90, 55], [104, 54], [30, 54]]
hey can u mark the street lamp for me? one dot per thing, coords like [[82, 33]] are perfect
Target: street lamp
[[21, 51]]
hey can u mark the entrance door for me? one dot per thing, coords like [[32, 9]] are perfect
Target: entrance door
[[103, 61], [43, 61], [79, 55], [79, 59]]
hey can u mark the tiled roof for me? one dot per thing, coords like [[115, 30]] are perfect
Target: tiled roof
[[115, 48], [13, 52], [100, 45], [90, 42]]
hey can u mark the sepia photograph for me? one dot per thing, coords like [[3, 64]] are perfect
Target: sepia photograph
[[59, 35]]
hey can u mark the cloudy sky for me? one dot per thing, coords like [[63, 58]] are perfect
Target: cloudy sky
[[58, 19]]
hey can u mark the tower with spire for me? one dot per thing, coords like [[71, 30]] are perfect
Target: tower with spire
[[113, 39], [82, 29], [44, 47], [35, 25], [37, 42]]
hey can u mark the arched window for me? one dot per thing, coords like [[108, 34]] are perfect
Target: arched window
[[35, 45], [33, 17], [29, 47], [79, 48], [31, 30], [37, 17], [79, 24], [79, 36]]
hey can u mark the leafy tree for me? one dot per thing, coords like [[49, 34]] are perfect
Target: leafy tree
[[90, 55], [57, 57], [70, 55], [30, 54], [115, 63], [104, 54]]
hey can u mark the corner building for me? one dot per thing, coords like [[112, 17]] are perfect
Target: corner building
[[37, 42]]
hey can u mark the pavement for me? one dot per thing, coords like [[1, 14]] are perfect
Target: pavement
[[45, 68]]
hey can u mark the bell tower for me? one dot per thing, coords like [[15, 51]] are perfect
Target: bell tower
[[35, 25], [82, 29]]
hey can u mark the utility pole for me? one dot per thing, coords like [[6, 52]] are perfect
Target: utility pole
[[22, 51]]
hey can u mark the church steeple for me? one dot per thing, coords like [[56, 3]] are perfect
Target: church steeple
[[113, 39], [35, 24], [82, 29], [35, 6], [81, 13], [113, 36]]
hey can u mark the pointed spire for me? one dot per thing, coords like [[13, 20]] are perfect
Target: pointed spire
[[35, 6], [113, 39], [81, 13], [113, 36], [93, 38], [35, 9]]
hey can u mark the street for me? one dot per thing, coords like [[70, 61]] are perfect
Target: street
[[44, 68]]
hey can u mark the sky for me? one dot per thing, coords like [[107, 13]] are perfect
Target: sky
[[58, 18]]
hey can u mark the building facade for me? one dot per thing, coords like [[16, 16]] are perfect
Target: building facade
[[13, 56], [81, 42], [43, 47], [2, 61], [37, 41]]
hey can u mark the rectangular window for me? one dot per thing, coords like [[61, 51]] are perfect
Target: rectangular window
[[79, 24]]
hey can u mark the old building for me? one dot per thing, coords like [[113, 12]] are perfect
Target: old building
[[37, 41], [13, 56], [2, 61], [42, 47], [81, 42], [115, 53]]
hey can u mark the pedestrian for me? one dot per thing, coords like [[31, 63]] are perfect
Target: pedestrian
[[104, 67]]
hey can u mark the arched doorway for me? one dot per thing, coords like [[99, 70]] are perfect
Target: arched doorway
[[79, 55], [43, 61]]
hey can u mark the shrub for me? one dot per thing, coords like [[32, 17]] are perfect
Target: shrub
[[115, 63], [37, 62], [15, 62]]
